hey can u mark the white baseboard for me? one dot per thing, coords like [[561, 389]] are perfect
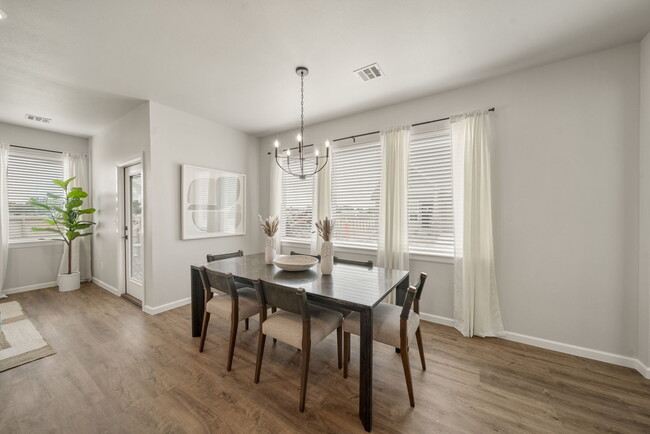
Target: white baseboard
[[153, 310], [113, 290], [602, 356], [437, 319], [29, 288]]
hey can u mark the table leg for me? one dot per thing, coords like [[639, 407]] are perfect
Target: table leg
[[365, 370], [198, 302]]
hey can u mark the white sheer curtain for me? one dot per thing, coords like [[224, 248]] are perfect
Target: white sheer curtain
[[275, 198], [4, 216], [322, 203], [76, 165], [476, 301], [393, 244]]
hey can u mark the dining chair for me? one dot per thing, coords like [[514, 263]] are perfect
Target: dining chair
[[235, 305], [304, 254], [297, 323], [238, 284], [368, 264], [395, 326]]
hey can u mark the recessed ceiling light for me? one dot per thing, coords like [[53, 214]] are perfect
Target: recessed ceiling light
[[3, 15]]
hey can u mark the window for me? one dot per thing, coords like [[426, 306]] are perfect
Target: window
[[30, 174], [430, 212], [356, 177], [297, 199]]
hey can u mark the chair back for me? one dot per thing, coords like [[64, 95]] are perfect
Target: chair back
[[282, 297], [418, 292], [212, 258], [408, 302], [368, 264], [303, 254], [222, 281]]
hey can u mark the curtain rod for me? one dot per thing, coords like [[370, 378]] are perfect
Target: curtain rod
[[413, 125], [36, 149]]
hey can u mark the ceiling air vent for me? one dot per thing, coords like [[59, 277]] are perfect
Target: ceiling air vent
[[38, 118], [369, 72]]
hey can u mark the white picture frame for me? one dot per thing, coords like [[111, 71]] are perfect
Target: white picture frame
[[213, 203]]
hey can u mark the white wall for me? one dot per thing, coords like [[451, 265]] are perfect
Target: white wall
[[180, 138], [565, 186], [36, 265], [126, 139], [644, 206]]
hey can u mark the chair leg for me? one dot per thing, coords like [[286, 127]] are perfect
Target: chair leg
[[233, 337], [339, 345], [418, 336], [260, 354], [274, 310], [407, 371], [246, 324], [346, 355], [204, 329], [304, 372]]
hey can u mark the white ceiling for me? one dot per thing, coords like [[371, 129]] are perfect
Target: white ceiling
[[86, 63]]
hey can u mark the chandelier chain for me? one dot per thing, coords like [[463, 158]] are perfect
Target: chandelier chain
[[302, 107]]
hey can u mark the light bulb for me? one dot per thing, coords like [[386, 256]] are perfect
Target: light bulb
[[327, 143], [317, 152], [276, 143], [288, 152], [299, 137]]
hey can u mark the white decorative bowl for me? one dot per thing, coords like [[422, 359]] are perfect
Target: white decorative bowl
[[295, 262]]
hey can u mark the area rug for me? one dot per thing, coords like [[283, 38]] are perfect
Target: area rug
[[20, 342]]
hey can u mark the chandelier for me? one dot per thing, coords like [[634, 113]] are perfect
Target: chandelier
[[301, 164]]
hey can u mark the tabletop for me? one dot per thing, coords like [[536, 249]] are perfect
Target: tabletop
[[352, 285]]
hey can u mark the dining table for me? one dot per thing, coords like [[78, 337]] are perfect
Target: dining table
[[350, 286]]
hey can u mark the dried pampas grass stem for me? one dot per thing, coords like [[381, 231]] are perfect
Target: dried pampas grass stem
[[270, 225], [325, 228]]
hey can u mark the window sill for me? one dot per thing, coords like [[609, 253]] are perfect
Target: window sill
[[21, 244], [372, 252]]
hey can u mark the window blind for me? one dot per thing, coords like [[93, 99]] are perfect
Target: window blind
[[297, 204], [356, 177], [430, 211], [30, 174]]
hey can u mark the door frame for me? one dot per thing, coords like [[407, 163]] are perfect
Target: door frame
[[121, 223]]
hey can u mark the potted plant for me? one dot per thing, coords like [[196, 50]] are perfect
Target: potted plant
[[270, 226], [66, 220], [325, 228]]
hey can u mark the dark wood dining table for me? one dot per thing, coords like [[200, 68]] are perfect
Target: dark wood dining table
[[353, 287]]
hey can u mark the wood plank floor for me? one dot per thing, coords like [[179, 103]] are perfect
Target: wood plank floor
[[120, 370]]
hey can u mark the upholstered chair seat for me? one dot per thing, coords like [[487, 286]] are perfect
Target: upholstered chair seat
[[287, 327], [385, 324], [221, 304]]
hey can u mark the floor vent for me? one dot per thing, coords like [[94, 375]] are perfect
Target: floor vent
[[38, 118], [369, 72]]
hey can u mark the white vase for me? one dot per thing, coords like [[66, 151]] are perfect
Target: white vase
[[69, 282], [327, 257], [269, 251]]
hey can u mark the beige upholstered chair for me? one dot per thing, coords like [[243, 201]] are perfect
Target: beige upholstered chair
[[395, 326], [238, 284], [296, 323], [233, 304]]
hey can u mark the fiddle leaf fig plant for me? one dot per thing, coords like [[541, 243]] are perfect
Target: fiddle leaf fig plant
[[66, 214]]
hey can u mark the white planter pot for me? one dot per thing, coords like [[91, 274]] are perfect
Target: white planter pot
[[327, 258], [69, 282], [269, 251]]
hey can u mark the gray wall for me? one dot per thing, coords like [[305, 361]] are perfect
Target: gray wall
[[36, 264], [565, 187], [126, 139], [644, 207], [180, 138]]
